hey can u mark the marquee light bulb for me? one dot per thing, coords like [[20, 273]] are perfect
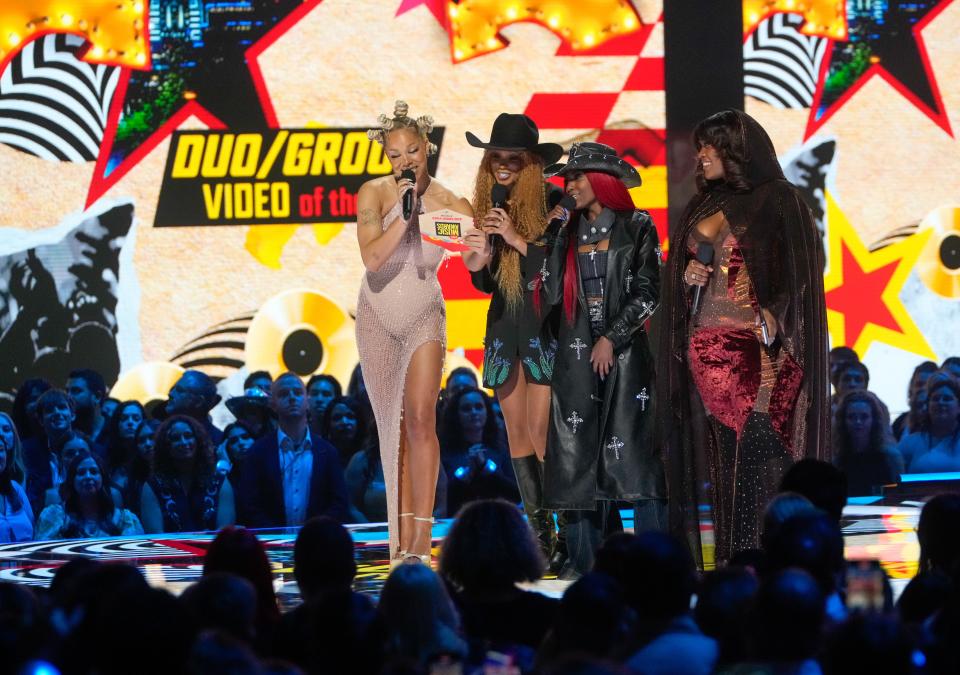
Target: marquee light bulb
[[475, 24], [112, 27]]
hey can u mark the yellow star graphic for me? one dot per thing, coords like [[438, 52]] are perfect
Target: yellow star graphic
[[266, 243], [824, 18], [855, 311], [115, 29]]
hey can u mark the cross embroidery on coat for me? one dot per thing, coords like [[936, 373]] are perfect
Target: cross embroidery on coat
[[578, 345], [643, 397], [615, 444]]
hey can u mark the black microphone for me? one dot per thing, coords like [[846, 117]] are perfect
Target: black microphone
[[498, 195], [498, 198], [567, 202], [705, 257], [408, 195]]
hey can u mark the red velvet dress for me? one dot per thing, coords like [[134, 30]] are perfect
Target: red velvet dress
[[748, 393]]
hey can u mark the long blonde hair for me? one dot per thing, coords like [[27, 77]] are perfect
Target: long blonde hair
[[527, 207]]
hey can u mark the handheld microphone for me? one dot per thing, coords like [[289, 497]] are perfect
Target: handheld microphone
[[409, 194], [567, 202], [705, 257], [498, 197]]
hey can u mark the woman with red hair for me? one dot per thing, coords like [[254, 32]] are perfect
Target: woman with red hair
[[606, 276]]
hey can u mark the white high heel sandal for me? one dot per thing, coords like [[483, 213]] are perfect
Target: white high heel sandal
[[400, 556], [424, 558]]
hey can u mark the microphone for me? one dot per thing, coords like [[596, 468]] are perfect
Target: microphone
[[498, 198], [498, 195], [409, 194], [567, 202], [705, 257]]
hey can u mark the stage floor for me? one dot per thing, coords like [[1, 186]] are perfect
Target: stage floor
[[174, 561]]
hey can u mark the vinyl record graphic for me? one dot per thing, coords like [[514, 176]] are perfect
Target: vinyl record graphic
[[302, 331], [939, 264], [148, 383]]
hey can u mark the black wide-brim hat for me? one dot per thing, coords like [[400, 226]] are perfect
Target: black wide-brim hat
[[252, 398], [517, 132], [596, 157]]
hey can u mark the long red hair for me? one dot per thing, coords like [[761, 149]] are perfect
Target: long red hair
[[612, 194]]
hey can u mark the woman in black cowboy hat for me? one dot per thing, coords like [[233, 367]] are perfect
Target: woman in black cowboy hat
[[507, 253], [605, 275]]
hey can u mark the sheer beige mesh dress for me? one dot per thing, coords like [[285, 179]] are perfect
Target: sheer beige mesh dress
[[400, 308]]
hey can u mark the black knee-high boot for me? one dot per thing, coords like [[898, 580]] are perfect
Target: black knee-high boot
[[529, 472], [559, 557]]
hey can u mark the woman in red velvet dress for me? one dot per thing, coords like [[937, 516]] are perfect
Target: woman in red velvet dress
[[745, 371]]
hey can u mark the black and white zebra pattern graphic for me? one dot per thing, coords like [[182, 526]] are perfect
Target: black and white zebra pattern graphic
[[781, 65], [52, 104]]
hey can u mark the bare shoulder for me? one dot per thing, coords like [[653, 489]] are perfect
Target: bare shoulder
[[449, 199], [376, 188], [371, 198]]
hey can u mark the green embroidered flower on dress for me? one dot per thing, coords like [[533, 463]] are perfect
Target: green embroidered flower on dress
[[496, 369], [543, 367]]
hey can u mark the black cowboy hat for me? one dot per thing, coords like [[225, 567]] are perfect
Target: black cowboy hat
[[596, 157], [517, 132], [252, 398]]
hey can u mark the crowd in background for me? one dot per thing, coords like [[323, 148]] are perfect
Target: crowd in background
[[795, 605], [75, 463]]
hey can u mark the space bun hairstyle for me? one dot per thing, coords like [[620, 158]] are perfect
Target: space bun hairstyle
[[401, 120]]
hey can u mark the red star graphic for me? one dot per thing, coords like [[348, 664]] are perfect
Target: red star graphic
[[106, 176], [436, 7], [860, 299]]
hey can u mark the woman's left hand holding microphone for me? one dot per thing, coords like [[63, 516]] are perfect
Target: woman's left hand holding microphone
[[498, 221]]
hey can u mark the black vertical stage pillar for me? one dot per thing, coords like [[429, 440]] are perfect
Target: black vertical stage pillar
[[703, 60]]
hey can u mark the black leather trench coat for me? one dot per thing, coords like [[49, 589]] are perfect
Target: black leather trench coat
[[600, 443]]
